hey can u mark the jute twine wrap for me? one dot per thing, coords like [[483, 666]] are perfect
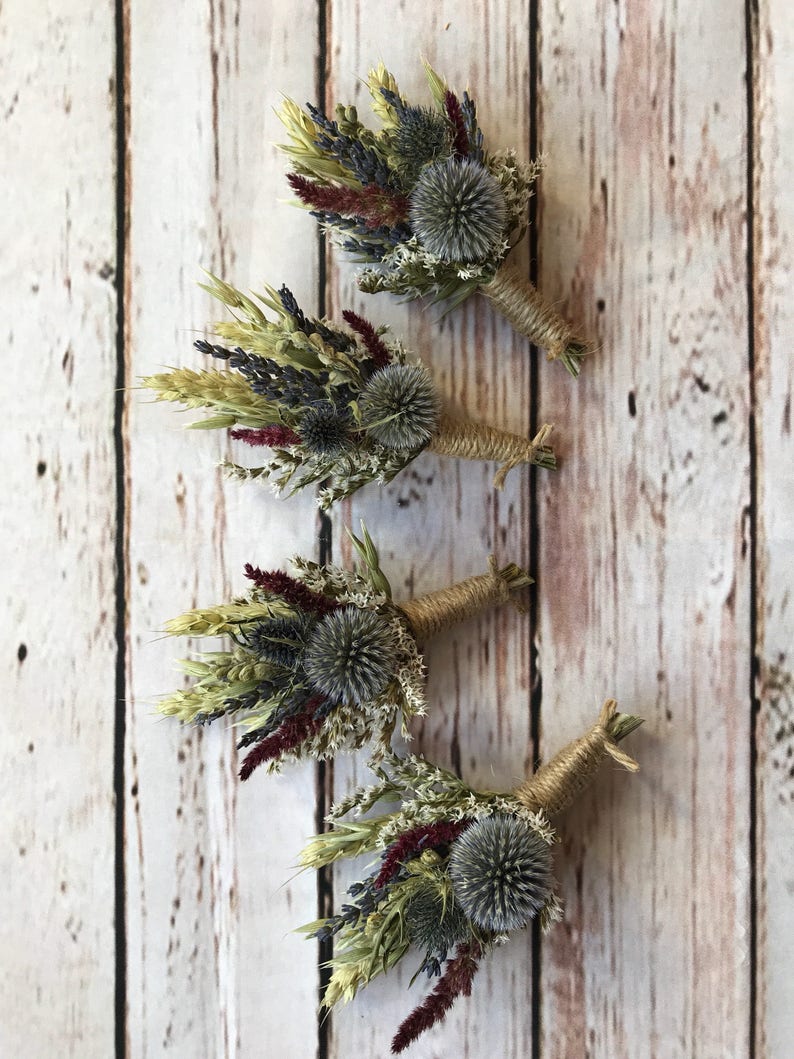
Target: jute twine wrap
[[440, 610], [530, 314], [556, 784], [474, 441]]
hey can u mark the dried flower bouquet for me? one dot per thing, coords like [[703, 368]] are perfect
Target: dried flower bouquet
[[337, 406], [423, 204], [457, 870], [322, 660]]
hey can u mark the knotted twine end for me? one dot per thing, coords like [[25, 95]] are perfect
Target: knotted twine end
[[509, 579], [535, 452], [555, 785]]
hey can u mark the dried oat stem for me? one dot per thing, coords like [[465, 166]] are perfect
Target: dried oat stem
[[531, 315], [556, 785], [474, 441], [440, 610]]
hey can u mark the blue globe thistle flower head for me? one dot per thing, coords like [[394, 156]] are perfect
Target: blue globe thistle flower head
[[400, 407], [351, 655], [458, 210], [501, 872]]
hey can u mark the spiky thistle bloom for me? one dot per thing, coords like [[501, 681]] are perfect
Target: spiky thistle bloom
[[434, 924], [351, 655], [422, 136], [326, 431], [501, 873], [458, 210], [281, 641], [400, 406], [468, 205]]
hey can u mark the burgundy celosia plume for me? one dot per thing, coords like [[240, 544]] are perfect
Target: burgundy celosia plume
[[290, 590], [374, 205], [460, 144], [374, 344], [290, 735], [425, 836], [274, 437], [456, 981]]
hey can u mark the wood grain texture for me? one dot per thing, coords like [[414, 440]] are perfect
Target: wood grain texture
[[211, 892], [59, 656], [441, 518], [774, 383], [673, 500], [645, 561]]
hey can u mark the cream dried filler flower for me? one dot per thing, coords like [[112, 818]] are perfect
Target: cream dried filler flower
[[456, 870], [322, 660], [341, 406], [423, 205]]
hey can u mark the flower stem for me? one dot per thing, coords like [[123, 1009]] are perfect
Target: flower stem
[[467, 440], [556, 784], [440, 610], [531, 315]]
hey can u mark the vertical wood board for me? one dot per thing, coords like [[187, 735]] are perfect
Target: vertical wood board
[[644, 536], [212, 892], [774, 381], [440, 518], [58, 526]]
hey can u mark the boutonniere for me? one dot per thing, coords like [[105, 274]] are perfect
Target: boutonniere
[[456, 870], [322, 659], [341, 406], [423, 204]]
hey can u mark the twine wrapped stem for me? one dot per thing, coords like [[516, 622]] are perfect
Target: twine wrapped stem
[[531, 315], [556, 785], [440, 610], [474, 441]]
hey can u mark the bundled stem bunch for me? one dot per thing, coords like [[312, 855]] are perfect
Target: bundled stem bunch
[[341, 406], [457, 869], [321, 660], [423, 204]]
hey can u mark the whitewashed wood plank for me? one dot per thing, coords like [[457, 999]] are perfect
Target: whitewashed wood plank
[[774, 382], [213, 969], [645, 587], [440, 519], [58, 522]]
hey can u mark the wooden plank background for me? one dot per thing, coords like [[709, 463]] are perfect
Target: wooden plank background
[[149, 897]]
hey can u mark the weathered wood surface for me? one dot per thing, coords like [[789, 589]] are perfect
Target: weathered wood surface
[[58, 530], [212, 966], [773, 255], [672, 504]]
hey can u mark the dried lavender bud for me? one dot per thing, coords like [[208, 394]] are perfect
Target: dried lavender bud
[[501, 872], [434, 926], [351, 656], [324, 430], [458, 210], [400, 407]]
